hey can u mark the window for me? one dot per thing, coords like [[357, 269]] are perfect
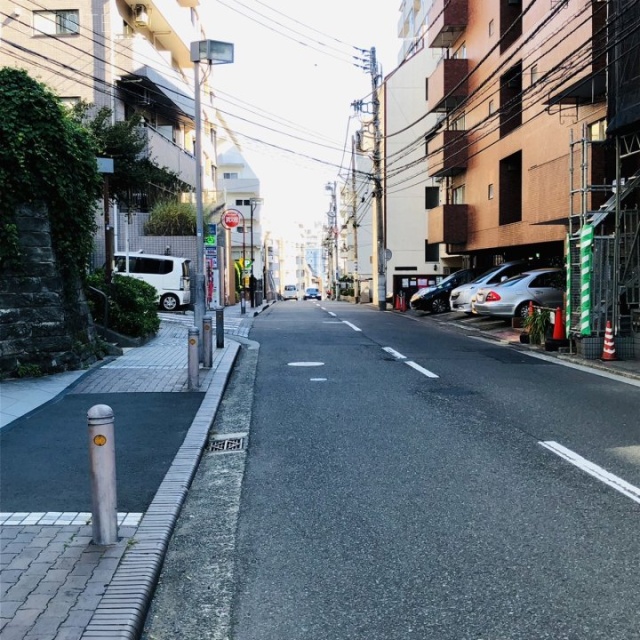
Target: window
[[491, 27], [431, 252], [597, 130], [510, 189], [241, 203], [458, 124], [534, 74], [457, 195], [230, 175], [490, 192], [461, 52], [56, 23]]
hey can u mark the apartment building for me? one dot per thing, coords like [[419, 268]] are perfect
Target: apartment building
[[515, 80], [415, 261], [131, 57]]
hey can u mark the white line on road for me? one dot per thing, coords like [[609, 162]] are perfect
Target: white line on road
[[353, 326], [422, 370], [332, 314], [594, 470], [394, 353]]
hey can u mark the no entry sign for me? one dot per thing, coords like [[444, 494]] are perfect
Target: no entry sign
[[231, 219]]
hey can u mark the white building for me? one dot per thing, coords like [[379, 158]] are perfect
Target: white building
[[239, 188], [132, 57]]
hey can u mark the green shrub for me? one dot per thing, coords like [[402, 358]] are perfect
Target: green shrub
[[537, 325], [171, 219], [133, 310]]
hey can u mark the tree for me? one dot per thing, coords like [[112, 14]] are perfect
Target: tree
[[46, 157], [134, 173]]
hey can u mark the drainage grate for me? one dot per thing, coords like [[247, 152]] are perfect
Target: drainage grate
[[227, 444]]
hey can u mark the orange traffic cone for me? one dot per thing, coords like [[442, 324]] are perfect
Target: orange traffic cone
[[396, 303], [403, 302], [558, 326], [609, 349]]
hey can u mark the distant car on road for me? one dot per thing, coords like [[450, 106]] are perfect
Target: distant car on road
[[461, 297], [436, 299], [543, 287], [290, 292], [312, 293]]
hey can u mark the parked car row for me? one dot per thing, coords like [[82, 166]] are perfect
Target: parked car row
[[503, 291]]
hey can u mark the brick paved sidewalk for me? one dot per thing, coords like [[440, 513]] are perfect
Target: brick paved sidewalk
[[54, 583]]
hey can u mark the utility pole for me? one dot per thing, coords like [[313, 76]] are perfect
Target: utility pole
[[377, 184], [354, 220], [333, 226]]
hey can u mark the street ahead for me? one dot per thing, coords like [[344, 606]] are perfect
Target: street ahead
[[404, 480]]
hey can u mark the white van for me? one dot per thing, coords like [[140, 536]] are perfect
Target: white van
[[167, 274], [290, 292]]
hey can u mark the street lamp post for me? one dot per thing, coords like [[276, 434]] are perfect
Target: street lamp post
[[213, 52]]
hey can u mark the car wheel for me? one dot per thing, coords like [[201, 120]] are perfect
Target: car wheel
[[169, 302], [439, 305], [523, 310]]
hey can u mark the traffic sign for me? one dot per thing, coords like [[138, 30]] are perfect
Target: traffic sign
[[231, 219]]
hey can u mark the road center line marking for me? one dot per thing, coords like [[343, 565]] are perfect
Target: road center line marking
[[422, 370], [394, 353], [332, 314], [353, 326], [594, 470]]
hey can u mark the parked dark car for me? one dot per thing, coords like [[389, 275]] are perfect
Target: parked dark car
[[436, 299]]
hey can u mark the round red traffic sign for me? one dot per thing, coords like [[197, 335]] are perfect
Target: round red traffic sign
[[231, 219]]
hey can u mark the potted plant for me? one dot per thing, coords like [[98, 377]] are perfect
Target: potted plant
[[536, 326]]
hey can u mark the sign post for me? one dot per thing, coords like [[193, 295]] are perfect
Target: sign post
[[231, 218]]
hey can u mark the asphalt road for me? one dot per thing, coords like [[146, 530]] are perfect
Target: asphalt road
[[397, 486], [45, 455]]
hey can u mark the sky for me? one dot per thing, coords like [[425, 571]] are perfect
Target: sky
[[294, 73]]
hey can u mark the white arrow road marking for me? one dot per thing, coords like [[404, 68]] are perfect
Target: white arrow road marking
[[353, 326], [594, 470]]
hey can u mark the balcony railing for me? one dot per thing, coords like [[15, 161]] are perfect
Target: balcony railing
[[168, 154], [447, 21], [448, 84], [448, 154], [448, 224]]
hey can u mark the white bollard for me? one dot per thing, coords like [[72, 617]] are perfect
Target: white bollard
[[207, 330], [102, 463], [193, 381]]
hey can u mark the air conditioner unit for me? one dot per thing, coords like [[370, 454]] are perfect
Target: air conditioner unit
[[141, 16]]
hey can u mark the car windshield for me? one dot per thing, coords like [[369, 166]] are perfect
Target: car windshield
[[513, 280], [482, 277]]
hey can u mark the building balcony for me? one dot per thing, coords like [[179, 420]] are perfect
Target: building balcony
[[448, 154], [448, 224], [168, 154], [448, 84], [447, 21], [147, 80], [169, 24]]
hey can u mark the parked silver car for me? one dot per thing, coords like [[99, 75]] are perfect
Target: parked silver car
[[461, 296], [543, 287]]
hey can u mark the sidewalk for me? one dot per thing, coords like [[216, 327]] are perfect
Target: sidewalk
[[497, 330], [54, 583]]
